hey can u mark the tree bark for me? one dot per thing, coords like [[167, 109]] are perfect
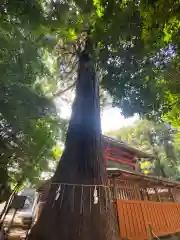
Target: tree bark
[[159, 168], [74, 216]]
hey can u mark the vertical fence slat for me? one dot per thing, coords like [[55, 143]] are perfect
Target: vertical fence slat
[[134, 217]]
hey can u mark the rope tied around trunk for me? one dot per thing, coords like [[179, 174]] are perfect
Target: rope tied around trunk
[[80, 185], [94, 193]]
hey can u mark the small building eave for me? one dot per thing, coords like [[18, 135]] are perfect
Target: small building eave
[[122, 145], [136, 176]]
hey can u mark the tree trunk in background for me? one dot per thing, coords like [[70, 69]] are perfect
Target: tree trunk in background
[[170, 152], [159, 169], [74, 216]]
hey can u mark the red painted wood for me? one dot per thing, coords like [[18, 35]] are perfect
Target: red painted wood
[[115, 155], [134, 217], [116, 150]]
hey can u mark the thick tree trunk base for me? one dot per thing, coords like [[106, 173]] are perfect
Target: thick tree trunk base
[[74, 216]]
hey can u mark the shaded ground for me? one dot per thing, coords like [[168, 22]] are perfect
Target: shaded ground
[[17, 234]]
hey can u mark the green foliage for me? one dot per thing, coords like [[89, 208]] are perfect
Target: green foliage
[[56, 152], [136, 50], [146, 167], [138, 58], [157, 139], [29, 124]]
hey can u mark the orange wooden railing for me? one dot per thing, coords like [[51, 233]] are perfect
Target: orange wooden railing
[[135, 216]]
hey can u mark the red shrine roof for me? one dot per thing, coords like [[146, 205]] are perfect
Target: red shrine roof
[[125, 148]]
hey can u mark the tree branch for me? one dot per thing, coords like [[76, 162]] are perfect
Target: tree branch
[[59, 93]]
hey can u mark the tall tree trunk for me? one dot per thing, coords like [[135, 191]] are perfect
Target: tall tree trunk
[[77, 214]]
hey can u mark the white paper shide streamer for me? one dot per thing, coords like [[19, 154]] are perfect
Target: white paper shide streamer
[[96, 199], [58, 192]]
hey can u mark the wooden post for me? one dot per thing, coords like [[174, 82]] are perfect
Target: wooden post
[[157, 195], [147, 195], [115, 200], [171, 194], [150, 233], [137, 189], [114, 188]]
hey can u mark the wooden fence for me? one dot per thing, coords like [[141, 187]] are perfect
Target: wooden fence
[[135, 216], [129, 190]]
